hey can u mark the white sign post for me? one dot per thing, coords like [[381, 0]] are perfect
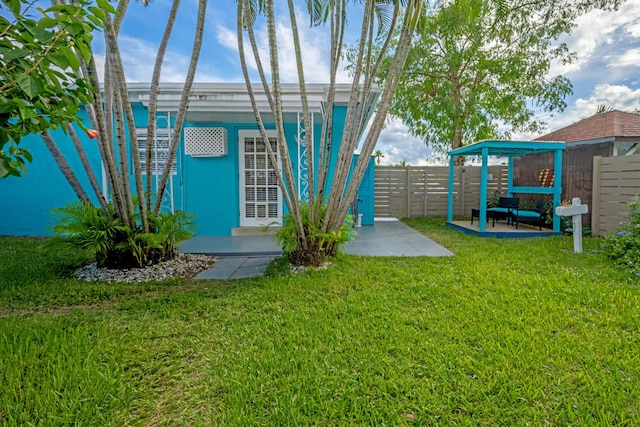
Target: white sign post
[[575, 211]]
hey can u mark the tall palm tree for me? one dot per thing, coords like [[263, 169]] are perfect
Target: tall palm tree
[[182, 109], [111, 115], [378, 155], [153, 94], [380, 18]]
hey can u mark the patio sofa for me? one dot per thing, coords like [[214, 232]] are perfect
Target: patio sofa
[[535, 216], [505, 209]]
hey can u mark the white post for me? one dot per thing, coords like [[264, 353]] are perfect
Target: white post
[[575, 211]]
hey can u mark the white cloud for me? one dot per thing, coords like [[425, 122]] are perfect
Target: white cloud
[[630, 58], [314, 46], [599, 29], [619, 97], [397, 145], [139, 57]]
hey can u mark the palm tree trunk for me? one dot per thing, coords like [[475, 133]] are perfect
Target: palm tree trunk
[[279, 122], [153, 96], [82, 154], [60, 160], [124, 106], [305, 111], [175, 138], [412, 14], [344, 155], [97, 118], [338, 24], [243, 21]]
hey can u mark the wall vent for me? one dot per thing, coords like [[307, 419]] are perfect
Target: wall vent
[[205, 142]]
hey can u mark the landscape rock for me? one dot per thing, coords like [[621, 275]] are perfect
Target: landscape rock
[[183, 265]]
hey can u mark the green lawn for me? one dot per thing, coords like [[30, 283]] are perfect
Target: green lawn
[[507, 332]]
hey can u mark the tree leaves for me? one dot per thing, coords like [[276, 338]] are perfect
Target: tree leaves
[[30, 85], [480, 66], [40, 87]]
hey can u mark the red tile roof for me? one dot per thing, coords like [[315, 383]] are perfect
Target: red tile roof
[[614, 123]]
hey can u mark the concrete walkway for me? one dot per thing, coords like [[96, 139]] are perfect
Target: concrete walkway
[[248, 256]]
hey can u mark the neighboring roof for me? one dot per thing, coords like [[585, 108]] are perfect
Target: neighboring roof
[[508, 148], [612, 124]]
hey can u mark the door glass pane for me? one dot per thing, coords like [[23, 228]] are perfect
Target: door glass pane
[[250, 178], [261, 178], [249, 162], [261, 162], [273, 210]]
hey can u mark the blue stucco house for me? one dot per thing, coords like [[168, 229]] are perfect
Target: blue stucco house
[[221, 173]]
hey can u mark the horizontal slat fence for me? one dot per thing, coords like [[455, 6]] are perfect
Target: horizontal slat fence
[[422, 191], [615, 181]]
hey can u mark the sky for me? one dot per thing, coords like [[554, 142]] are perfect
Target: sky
[[607, 69]]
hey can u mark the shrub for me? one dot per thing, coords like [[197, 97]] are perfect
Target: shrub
[[319, 244], [116, 244], [623, 246]]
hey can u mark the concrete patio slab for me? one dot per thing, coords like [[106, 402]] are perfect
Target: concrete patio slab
[[393, 238], [237, 267], [248, 256]]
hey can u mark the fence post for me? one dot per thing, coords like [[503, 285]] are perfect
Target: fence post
[[408, 192], [426, 191], [463, 191], [595, 195]]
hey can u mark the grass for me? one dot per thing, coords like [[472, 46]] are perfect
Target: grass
[[506, 332]]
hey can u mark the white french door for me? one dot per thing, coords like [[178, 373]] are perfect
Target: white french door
[[260, 197]]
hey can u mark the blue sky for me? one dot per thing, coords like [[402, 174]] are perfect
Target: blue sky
[[607, 70]]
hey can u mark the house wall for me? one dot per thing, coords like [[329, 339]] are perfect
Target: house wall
[[205, 186], [26, 201]]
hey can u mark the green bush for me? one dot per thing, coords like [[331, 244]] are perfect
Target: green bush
[[116, 244], [623, 246], [320, 245]]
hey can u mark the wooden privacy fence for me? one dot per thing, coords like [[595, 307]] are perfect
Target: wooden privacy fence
[[615, 181], [422, 191]]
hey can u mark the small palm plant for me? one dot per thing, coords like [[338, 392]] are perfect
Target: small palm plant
[[116, 244]]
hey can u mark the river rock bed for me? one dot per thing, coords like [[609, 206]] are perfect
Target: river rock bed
[[183, 265]]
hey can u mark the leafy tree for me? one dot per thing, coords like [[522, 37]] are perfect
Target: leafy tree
[[40, 83], [319, 223], [481, 64]]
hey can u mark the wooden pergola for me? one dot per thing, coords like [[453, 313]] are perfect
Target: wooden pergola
[[509, 149]]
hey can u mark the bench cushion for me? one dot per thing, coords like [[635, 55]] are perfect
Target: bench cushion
[[528, 214], [501, 210]]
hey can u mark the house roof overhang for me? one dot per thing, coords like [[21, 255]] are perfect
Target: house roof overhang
[[234, 98]]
